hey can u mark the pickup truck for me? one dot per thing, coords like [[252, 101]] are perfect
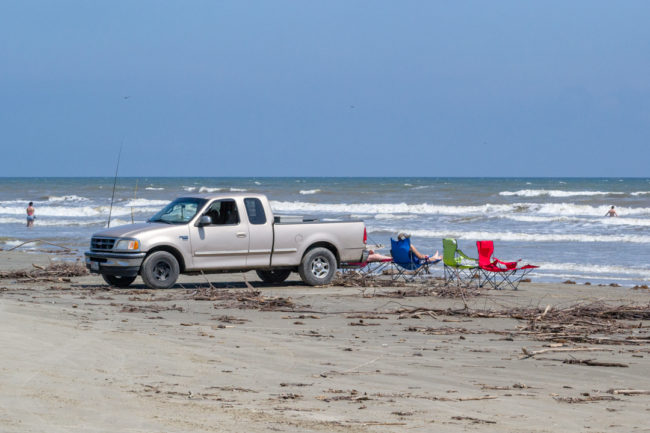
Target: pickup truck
[[224, 233]]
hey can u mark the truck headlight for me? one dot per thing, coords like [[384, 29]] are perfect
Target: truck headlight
[[127, 244]]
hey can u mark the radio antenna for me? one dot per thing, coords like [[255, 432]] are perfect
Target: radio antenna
[[110, 210]]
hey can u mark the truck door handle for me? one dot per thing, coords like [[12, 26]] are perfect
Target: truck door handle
[[241, 234]]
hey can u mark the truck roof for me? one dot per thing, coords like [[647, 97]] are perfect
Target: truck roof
[[225, 194]]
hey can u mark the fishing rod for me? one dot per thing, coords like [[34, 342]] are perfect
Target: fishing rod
[[110, 210], [135, 193]]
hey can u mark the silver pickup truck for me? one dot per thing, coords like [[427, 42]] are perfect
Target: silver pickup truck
[[224, 233]]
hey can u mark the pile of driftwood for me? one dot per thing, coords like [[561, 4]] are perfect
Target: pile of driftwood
[[242, 299], [596, 322], [358, 279], [54, 272]]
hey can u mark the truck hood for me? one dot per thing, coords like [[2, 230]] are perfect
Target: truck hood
[[133, 230]]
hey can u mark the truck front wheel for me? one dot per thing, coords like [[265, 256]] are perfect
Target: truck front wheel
[[116, 281], [160, 270], [274, 276], [318, 267]]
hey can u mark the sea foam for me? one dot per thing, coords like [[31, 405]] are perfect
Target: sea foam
[[555, 193], [562, 209], [525, 237]]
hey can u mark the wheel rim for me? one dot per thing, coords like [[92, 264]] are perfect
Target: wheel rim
[[161, 271], [320, 267]]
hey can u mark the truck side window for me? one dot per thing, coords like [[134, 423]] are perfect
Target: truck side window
[[255, 211], [223, 212]]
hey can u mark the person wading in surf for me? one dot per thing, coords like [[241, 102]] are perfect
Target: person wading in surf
[[30, 214]]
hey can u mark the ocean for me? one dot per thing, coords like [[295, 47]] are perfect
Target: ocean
[[557, 223]]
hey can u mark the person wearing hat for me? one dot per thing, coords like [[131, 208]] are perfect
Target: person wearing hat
[[419, 255]]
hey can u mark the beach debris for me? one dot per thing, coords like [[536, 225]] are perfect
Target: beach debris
[[126, 308], [530, 354], [569, 282], [54, 272], [230, 319], [473, 420], [592, 363], [629, 391], [586, 399], [638, 287]]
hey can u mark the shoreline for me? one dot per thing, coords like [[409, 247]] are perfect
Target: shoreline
[[228, 354]]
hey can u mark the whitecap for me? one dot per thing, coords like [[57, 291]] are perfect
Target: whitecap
[[209, 189], [595, 269], [238, 189], [390, 216], [151, 188], [309, 191], [555, 193], [73, 198], [529, 237], [137, 202], [189, 188]]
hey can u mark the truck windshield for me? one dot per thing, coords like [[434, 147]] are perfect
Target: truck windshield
[[179, 211]]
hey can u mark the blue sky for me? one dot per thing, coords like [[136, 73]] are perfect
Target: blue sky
[[325, 88]]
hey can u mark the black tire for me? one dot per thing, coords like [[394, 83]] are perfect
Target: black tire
[[318, 267], [114, 280], [160, 270], [276, 276]]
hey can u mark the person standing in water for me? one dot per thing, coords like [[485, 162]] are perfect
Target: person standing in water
[[30, 214], [611, 212]]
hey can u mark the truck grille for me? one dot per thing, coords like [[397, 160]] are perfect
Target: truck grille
[[102, 244]]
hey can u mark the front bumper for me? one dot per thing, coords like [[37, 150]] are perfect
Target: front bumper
[[118, 264]]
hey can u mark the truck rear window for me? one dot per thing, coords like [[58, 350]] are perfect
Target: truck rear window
[[255, 211]]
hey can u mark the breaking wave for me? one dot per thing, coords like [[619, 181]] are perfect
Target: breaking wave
[[526, 237], [73, 198], [555, 193], [555, 209], [594, 269], [309, 191]]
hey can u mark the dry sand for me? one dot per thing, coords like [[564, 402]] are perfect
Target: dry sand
[[79, 356]]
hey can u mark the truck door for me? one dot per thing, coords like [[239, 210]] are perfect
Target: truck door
[[261, 233], [223, 244]]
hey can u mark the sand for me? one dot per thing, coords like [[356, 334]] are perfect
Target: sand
[[78, 356]]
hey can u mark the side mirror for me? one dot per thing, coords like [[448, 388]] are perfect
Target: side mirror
[[205, 220]]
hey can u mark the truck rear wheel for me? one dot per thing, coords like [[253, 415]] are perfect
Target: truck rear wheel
[[274, 276], [160, 270], [318, 267], [116, 281]]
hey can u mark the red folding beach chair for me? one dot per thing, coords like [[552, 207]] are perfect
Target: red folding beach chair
[[496, 272]]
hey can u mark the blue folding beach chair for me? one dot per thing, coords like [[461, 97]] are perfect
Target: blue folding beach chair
[[407, 264]]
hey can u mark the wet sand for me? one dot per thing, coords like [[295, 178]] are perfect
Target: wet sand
[[78, 356]]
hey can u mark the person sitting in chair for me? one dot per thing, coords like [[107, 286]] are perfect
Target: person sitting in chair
[[415, 251]]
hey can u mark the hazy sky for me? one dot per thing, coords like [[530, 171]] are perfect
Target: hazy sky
[[325, 88]]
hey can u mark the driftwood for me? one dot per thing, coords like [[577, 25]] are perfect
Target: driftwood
[[529, 354], [593, 363], [629, 391], [586, 399], [54, 272]]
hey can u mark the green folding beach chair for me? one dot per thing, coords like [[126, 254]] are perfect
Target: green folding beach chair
[[458, 267]]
